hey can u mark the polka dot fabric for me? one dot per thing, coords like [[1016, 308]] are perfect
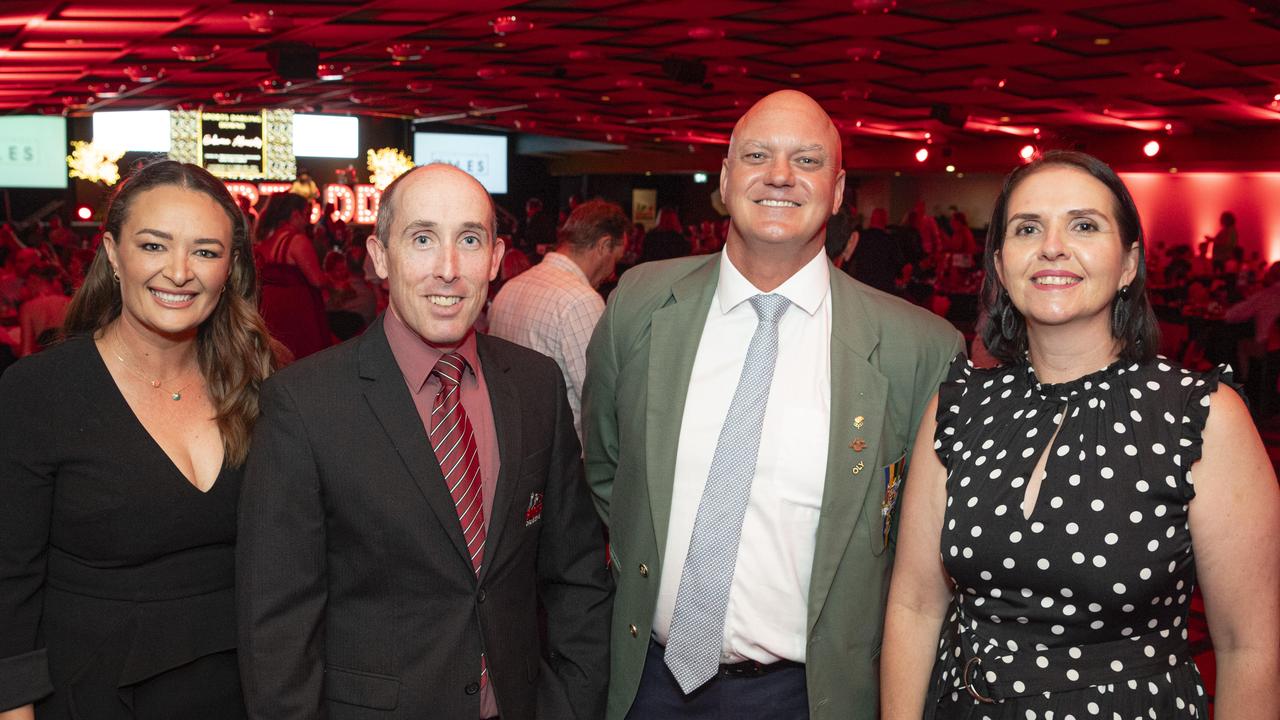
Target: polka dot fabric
[[1080, 610]]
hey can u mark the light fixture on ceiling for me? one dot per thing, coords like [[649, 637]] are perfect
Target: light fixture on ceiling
[[629, 83], [1027, 152], [407, 52], [858, 53], [226, 97], [367, 98], [1161, 69], [546, 94], [108, 90], [76, 102], [491, 72], [418, 86], [330, 72], [144, 73], [703, 32], [729, 69], [266, 21], [1151, 148], [506, 24], [274, 85], [985, 82], [195, 52], [1036, 32], [922, 154], [584, 54], [866, 7]]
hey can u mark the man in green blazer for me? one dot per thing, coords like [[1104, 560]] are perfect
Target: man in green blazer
[[789, 585]]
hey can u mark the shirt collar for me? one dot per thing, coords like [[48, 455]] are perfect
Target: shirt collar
[[416, 357], [566, 263], [806, 289]]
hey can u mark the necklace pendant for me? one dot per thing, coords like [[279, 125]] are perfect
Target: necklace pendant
[[155, 383], [177, 396]]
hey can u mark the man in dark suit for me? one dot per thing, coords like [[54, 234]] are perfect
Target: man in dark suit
[[414, 495]]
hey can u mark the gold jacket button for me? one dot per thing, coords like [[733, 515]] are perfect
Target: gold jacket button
[[644, 570], [635, 632]]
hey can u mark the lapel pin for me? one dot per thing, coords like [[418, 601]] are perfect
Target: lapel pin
[[857, 422], [858, 445], [858, 468]]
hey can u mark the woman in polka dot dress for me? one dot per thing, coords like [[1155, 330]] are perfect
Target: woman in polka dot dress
[[1061, 508]]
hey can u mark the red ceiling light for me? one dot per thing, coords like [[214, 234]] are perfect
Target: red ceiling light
[[866, 7], [983, 82], [330, 72], [266, 21], [225, 97], [628, 83], [1036, 32], [547, 94], [859, 53], [367, 98], [1151, 148], [922, 154], [706, 33], [84, 212], [505, 24], [407, 52], [108, 90], [75, 102], [1161, 69], [195, 52], [144, 73], [1027, 152], [419, 86], [274, 85], [856, 92], [728, 69], [583, 55], [491, 72]]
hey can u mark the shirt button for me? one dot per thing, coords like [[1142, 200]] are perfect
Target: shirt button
[[644, 570], [480, 596], [635, 632], [472, 688]]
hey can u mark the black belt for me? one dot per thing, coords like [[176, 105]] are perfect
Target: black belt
[[746, 668]]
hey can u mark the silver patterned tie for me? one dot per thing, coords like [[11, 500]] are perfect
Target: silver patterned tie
[[697, 623]]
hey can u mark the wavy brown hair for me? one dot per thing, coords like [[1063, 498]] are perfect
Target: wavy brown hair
[[233, 347]]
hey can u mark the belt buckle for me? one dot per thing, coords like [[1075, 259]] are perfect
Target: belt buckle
[[968, 684]]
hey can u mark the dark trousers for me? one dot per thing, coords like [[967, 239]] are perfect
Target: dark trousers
[[777, 695]]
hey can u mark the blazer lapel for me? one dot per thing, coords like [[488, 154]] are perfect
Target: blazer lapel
[[388, 397], [858, 390], [504, 399], [675, 332]]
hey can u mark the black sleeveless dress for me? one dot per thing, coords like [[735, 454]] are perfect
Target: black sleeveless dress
[[1079, 611]]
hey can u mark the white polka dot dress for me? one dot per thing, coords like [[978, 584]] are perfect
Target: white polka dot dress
[[1079, 610]]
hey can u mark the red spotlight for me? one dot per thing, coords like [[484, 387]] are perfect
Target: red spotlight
[[84, 212], [922, 154], [1151, 149], [1027, 152]]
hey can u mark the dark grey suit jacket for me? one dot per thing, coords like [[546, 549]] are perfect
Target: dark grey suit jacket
[[356, 597]]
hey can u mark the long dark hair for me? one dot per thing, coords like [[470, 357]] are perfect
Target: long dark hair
[[1137, 330], [232, 344]]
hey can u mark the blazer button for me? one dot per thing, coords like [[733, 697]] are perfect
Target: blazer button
[[644, 570], [472, 688], [635, 632], [480, 596]]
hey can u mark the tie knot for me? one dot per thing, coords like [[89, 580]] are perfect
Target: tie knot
[[769, 308], [449, 368]]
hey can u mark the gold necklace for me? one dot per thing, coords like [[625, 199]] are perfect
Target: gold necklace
[[175, 395]]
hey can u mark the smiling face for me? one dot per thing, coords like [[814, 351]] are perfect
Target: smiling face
[[1063, 259], [441, 253], [173, 256], [782, 178]]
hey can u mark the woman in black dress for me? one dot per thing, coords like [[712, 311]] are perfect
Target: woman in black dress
[[1061, 508], [120, 457]]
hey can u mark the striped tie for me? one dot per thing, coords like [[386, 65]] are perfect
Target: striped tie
[[455, 445]]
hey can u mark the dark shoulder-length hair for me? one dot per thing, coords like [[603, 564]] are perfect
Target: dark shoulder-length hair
[[1136, 330], [280, 207], [234, 349]]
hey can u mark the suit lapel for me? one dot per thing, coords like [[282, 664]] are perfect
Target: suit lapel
[[858, 389], [388, 397], [675, 332], [504, 399]]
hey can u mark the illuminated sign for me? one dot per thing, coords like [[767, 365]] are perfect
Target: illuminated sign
[[359, 203], [235, 146]]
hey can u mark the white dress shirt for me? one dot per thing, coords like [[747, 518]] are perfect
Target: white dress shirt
[[767, 615]]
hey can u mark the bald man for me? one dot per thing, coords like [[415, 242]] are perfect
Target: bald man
[[392, 555], [747, 418]]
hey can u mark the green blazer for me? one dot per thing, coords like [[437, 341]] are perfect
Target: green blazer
[[887, 360]]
